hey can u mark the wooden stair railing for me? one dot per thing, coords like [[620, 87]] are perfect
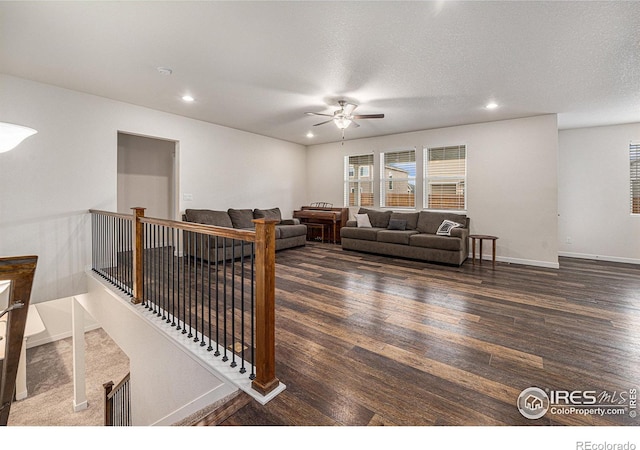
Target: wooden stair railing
[[264, 380], [117, 403], [19, 271]]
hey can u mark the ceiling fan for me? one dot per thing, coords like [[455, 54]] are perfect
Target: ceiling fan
[[344, 116]]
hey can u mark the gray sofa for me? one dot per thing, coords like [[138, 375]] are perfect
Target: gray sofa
[[289, 232], [409, 235]]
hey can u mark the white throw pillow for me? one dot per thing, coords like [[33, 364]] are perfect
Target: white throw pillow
[[363, 220], [446, 226]]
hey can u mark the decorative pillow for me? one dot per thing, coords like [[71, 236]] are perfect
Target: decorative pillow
[[363, 221], [446, 226], [241, 218], [397, 224]]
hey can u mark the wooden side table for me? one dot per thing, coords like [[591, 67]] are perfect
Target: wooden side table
[[482, 237]]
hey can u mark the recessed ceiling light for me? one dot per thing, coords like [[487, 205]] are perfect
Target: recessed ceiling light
[[187, 98], [309, 134], [491, 105]]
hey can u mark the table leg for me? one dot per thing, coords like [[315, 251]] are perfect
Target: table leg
[[481, 251], [473, 250], [494, 253]]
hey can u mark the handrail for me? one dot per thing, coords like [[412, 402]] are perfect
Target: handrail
[[111, 214], [20, 271], [211, 230]]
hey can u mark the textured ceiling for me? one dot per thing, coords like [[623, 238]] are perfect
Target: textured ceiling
[[258, 66]]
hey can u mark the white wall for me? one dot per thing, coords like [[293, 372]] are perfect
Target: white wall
[[593, 194], [168, 383], [50, 181], [511, 179]]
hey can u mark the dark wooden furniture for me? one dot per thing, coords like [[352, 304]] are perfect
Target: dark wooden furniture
[[482, 237], [316, 226], [335, 218]]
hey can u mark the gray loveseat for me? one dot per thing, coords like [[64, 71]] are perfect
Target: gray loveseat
[[409, 235], [289, 232]]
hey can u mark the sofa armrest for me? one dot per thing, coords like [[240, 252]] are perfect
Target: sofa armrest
[[351, 223], [290, 222], [460, 232]]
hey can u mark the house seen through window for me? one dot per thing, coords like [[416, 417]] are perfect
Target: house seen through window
[[358, 189], [398, 179]]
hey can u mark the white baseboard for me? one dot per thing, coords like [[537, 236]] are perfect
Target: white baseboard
[[600, 257], [31, 342], [525, 262]]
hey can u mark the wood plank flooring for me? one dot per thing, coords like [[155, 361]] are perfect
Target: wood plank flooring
[[370, 340]]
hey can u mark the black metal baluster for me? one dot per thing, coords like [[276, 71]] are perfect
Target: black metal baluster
[[174, 255], [217, 352], [185, 246], [202, 343], [224, 295], [233, 304], [242, 368], [192, 277], [209, 348], [253, 346]]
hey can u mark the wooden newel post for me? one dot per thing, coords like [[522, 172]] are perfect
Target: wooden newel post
[[108, 404], [265, 380], [138, 248]]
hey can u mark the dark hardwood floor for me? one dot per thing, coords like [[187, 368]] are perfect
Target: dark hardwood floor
[[370, 340]]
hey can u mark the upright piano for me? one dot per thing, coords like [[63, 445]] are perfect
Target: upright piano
[[332, 218]]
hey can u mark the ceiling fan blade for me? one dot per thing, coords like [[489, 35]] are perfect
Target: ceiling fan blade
[[322, 123], [318, 114], [369, 116], [355, 124]]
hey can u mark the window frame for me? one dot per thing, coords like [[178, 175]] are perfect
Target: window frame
[[388, 183], [355, 184], [456, 180], [634, 178]]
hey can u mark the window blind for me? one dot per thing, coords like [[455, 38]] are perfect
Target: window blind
[[445, 172], [634, 164]]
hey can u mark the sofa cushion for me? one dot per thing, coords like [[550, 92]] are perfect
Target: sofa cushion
[[208, 217], [411, 218], [429, 221], [365, 234], [379, 219], [273, 213], [396, 237], [241, 218], [436, 242], [286, 231]]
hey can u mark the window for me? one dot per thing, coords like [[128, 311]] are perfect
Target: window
[[398, 179], [445, 176], [634, 164], [358, 184]]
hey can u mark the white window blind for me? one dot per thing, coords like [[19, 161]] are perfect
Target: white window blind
[[398, 179], [358, 180], [634, 164], [445, 177]]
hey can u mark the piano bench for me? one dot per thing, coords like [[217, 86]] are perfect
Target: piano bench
[[316, 226]]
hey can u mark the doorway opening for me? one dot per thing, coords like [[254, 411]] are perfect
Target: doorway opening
[[147, 175]]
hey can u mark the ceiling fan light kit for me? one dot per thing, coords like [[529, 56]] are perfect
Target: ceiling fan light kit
[[344, 117]]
